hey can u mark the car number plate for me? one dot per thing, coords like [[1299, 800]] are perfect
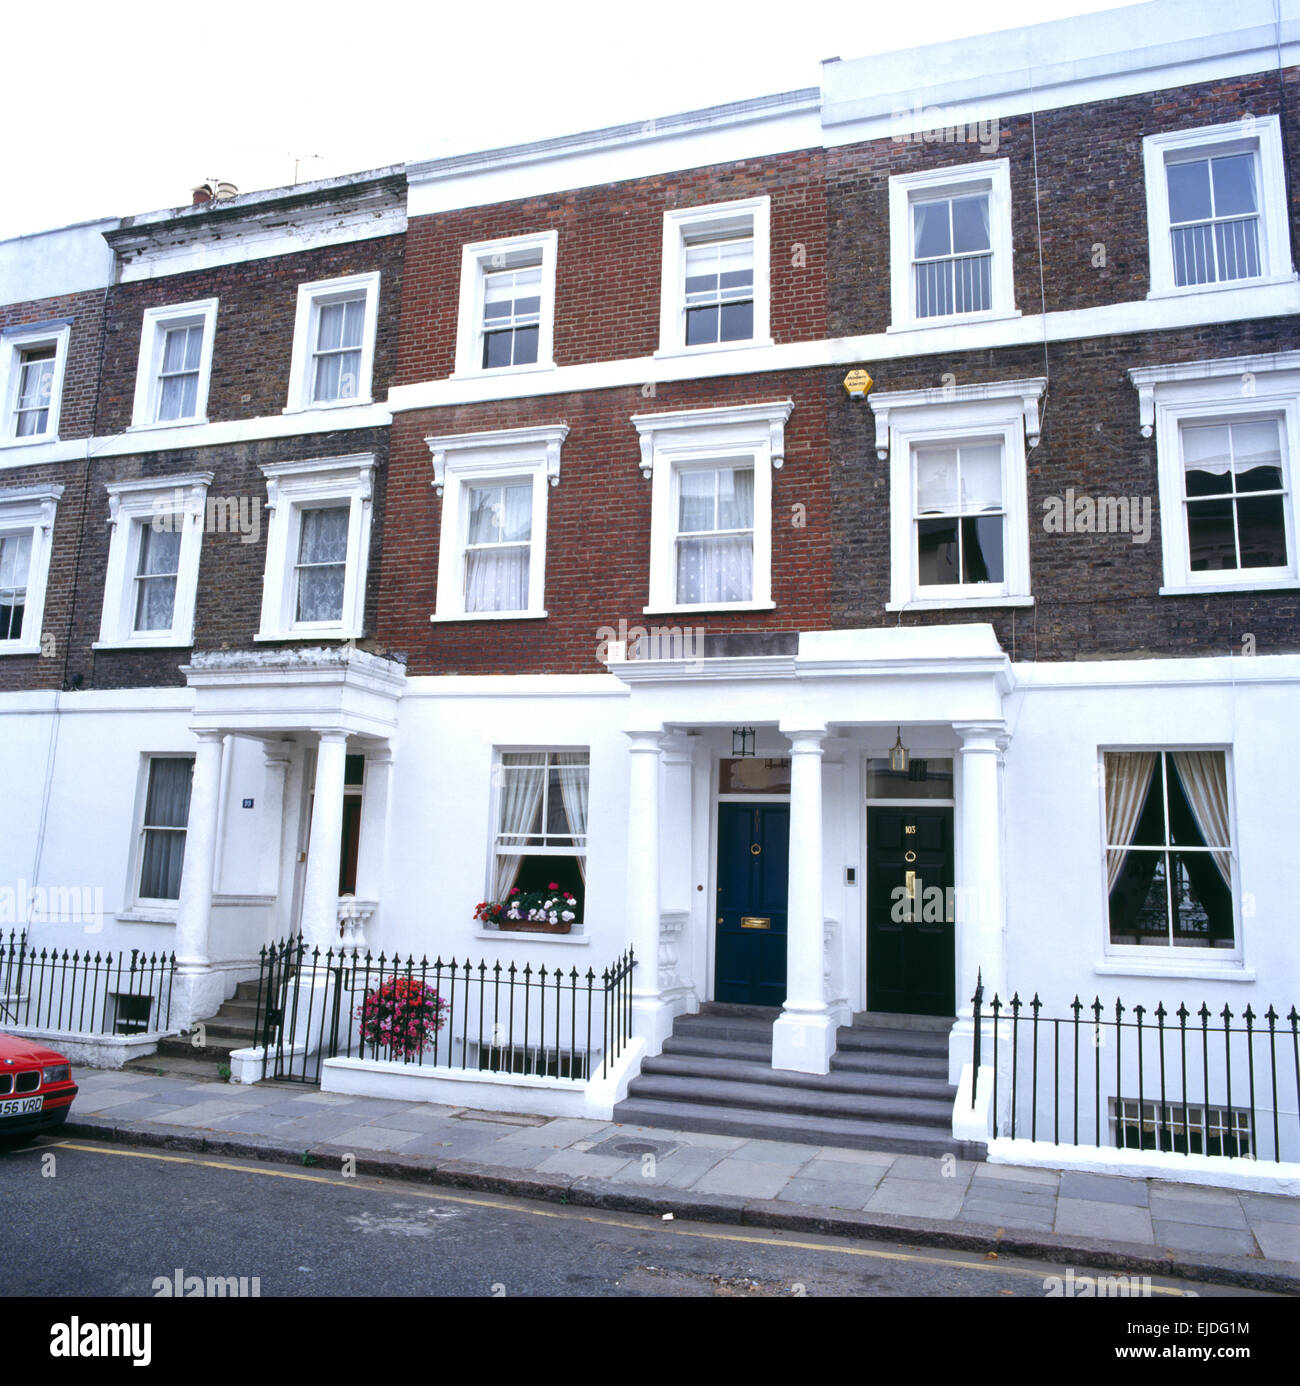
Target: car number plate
[[21, 1106]]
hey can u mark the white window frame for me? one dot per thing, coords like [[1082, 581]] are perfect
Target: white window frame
[[987, 175], [1263, 136], [174, 501], [153, 337], [477, 259], [906, 419], [579, 929], [145, 908], [742, 434], [311, 298], [291, 488], [1172, 958], [14, 341], [1219, 391], [687, 224], [31, 510], [461, 460]]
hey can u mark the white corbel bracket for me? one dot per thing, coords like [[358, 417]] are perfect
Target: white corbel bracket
[[964, 400], [688, 426]]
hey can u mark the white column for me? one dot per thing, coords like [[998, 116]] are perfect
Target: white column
[[374, 824], [803, 1037], [651, 1014], [278, 756], [194, 908], [320, 900], [981, 943]]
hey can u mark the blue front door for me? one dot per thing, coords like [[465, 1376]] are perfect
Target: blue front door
[[753, 880]]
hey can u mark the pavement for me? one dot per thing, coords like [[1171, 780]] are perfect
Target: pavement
[[1129, 1226]]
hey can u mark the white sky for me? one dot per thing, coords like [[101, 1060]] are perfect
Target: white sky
[[167, 95]]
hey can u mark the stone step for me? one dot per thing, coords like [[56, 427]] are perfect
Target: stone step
[[856, 1039], [723, 1051], [864, 1084], [889, 1137], [886, 1061], [747, 1029], [890, 1020], [173, 1066], [216, 1049], [723, 1090]]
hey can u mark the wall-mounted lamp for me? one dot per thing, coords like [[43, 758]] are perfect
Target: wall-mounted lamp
[[742, 741], [898, 753]]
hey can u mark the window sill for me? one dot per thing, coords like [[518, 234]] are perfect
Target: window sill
[[957, 603], [705, 609], [332, 633], [31, 440], [1192, 290], [955, 320], [705, 348], [489, 616], [140, 914], [1206, 972], [487, 372], [327, 404], [166, 423], [1287, 584], [7, 649], [162, 643], [530, 936]]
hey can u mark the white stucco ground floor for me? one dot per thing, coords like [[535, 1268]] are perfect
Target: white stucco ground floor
[[872, 821]]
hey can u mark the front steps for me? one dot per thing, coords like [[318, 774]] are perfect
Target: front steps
[[233, 1027], [887, 1089]]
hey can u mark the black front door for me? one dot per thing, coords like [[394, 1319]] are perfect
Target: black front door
[[910, 939], [753, 880]]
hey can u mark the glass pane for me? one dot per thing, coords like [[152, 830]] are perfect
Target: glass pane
[[160, 870], [354, 321], [12, 606], [329, 334], [1189, 191], [496, 579], [497, 349], [696, 490], [970, 224], [715, 570], [754, 775], [701, 325], [1257, 455], [1261, 532], [1234, 185], [1139, 900], [1211, 542], [15, 558], [737, 322], [936, 552], [160, 549], [174, 350], [736, 498], [923, 779], [320, 593], [525, 352], [1202, 902], [982, 548], [933, 232], [1207, 459], [155, 603], [981, 477], [936, 480], [324, 537], [167, 802]]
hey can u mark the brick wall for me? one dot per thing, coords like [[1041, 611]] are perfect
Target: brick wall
[[253, 344], [598, 521], [608, 262]]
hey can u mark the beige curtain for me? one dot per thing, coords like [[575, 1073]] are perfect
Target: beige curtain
[[574, 770], [1205, 779], [1128, 777], [521, 796]]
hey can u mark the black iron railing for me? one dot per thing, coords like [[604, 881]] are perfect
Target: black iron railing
[[1182, 1081], [491, 1017], [83, 993]]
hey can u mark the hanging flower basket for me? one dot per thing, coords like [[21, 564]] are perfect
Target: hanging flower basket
[[549, 911], [401, 1017]]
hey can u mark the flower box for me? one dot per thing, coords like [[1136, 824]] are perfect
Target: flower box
[[528, 926], [550, 911]]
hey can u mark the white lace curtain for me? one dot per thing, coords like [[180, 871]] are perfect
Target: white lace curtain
[[711, 566], [160, 556], [1204, 775], [322, 558], [497, 559], [575, 779], [1128, 777], [521, 797]]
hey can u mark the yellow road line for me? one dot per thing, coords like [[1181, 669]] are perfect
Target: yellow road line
[[570, 1213]]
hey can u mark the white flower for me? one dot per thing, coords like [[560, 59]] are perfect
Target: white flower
[[567, 915]]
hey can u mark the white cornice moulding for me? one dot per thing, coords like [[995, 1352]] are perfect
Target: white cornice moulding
[[1029, 391], [548, 437], [772, 415], [1146, 378]]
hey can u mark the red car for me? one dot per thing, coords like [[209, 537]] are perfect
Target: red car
[[36, 1087]]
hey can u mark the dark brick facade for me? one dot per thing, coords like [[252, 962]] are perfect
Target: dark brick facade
[[85, 342]]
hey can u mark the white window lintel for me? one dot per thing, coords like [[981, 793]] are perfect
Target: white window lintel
[[959, 405]]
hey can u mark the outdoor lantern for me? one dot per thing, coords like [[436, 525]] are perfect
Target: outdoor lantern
[[898, 753], [742, 741]]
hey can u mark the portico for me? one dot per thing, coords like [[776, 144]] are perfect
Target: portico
[[824, 713]]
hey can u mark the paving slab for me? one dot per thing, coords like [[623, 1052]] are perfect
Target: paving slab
[[924, 1198], [374, 1138], [829, 1168], [1203, 1212], [777, 1152], [1111, 1220], [1103, 1188], [1020, 1219], [1270, 1208], [947, 1172], [1278, 1241], [578, 1164], [747, 1178], [1018, 1174], [1190, 1236], [826, 1193]]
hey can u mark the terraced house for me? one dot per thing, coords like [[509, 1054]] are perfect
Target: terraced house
[[840, 547]]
